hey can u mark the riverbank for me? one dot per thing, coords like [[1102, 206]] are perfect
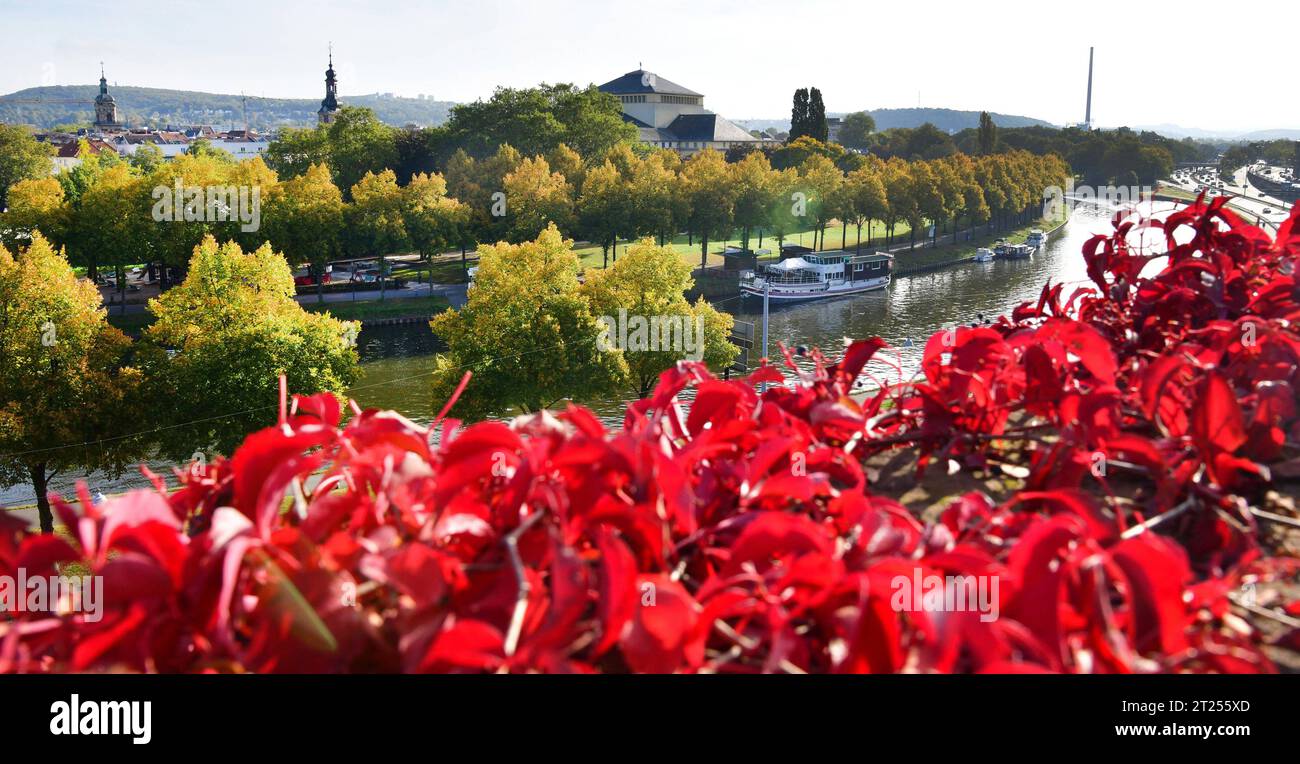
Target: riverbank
[[716, 284], [908, 262], [406, 310]]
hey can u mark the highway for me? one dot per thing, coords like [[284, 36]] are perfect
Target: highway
[[1247, 200]]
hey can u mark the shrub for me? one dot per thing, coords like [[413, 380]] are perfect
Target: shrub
[[743, 534]]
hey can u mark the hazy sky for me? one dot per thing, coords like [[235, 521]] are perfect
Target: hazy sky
[[1217, 66]]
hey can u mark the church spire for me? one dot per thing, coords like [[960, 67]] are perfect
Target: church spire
[[329, 106], [105, 106]]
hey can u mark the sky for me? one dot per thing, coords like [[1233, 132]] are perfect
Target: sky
[[1215, 66]]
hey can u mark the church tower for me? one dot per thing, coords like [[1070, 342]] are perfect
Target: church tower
[[329, 107], [105, 106]]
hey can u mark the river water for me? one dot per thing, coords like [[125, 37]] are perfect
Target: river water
[[397, 360]]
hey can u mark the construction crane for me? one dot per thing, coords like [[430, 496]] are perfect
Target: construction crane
[[35, 101]]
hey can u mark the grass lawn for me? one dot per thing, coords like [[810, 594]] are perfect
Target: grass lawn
[[362, 310], [1175, 192], [591, 256], [131, 323]]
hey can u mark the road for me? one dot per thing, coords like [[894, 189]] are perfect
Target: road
[[1248, 200]]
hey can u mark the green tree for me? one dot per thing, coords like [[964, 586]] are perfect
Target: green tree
[[21, 157], [821, 180], [800, 124], [146, 159], [526, 333], [67, 394], [177, 229], [232, 328], [34, 204], [304, 221], [789, 210], [752, 179], [900, 195], [797, 151], [536, 197], [110, 226], [605, 208], [481, 185], [295, 150], [375, 222], [706, 184], [856, 130], [817, 127], [988, 134], [866, 199], [358, 144], [434, 221], [659, 204], [647, 286], [537, 120]]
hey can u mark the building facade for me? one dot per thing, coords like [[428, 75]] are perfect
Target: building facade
[[670, 116]]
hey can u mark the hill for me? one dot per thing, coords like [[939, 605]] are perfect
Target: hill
[[46, 107], [948, 120]]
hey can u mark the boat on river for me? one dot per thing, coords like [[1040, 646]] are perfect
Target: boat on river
[[1007, 251], [983, 255], [1037, 238], [816, 275]]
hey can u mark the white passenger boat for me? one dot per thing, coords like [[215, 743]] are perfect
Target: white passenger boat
[[1036, 239], [816, 275], [983, 255]]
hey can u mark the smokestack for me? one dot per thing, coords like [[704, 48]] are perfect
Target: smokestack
[[1087, 117]]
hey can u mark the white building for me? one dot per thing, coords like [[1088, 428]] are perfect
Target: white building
[[670, 116]]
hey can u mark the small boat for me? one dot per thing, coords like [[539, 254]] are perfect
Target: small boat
[[983, 255], [813, 276], [1014, 251], [1036, 239]]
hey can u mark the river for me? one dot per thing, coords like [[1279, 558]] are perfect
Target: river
[[397, 360]]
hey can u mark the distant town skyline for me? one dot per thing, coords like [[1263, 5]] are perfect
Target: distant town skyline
[[1166, 65]]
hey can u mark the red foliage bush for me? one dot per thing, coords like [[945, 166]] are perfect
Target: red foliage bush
[[743, 535]]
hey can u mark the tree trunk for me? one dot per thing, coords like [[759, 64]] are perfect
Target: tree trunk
[[40, 484], [605, 253], [704, 253], [844, 236], [383, 279]]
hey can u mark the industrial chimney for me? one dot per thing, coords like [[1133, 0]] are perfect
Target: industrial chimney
[[1087, 117]]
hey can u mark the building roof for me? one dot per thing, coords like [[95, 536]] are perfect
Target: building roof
[[73, 148], [702, 128], [707, 127], [641, 81]]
